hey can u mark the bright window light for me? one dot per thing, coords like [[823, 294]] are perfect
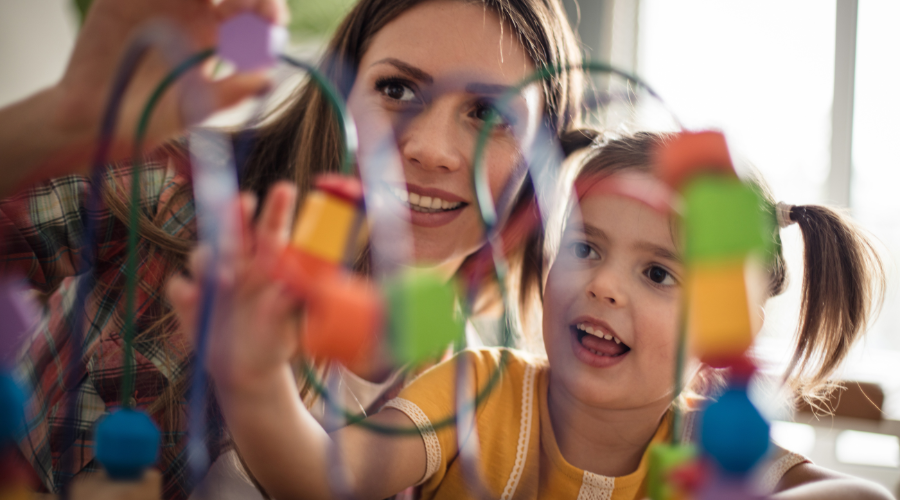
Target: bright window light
[[799, 438], [867, 448]]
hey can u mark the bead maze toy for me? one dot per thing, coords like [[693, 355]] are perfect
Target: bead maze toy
[[415, 313]]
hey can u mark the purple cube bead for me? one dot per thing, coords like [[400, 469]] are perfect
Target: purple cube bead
[[250, 42], [18, 315]]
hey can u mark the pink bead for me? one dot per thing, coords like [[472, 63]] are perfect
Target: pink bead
[[250, 42]]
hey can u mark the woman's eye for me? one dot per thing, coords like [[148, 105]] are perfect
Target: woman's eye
[[660, 276], [484, 109], [396, 90], [584, 251]]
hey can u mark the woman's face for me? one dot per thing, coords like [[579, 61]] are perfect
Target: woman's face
[[611, 304], [428, 77]]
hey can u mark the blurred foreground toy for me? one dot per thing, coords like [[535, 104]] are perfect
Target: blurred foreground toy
[[127, 444], [250, 42], [346, 315], [725, 223]]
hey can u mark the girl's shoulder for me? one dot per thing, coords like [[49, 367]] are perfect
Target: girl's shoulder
[[794, 473]]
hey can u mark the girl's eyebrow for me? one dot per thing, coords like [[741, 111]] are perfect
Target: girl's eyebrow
[[407, 68], [659, 251]]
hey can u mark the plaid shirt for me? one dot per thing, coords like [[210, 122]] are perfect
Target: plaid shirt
[[41, 233]]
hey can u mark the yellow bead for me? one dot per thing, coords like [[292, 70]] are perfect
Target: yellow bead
[[718, 317], [324, 225]]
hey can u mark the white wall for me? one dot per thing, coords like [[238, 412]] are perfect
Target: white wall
[[36, 37]]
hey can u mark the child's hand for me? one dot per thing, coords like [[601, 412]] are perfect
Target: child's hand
[[254, 333]]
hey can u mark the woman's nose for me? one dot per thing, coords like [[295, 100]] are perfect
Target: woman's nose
[[432, 139], [607, 286]]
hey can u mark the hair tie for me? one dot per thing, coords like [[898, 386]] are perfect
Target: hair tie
[[783, 214]]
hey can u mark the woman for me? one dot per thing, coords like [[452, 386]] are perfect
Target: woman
[[428, 69]]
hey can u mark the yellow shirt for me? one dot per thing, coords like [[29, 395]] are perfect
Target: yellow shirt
[[519, 455]]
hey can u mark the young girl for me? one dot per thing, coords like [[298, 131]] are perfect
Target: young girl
[[574, 425], [424, 70]]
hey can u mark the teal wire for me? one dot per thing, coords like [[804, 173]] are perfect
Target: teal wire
[[134, 218]]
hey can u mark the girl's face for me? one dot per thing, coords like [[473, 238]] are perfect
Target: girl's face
[[429, 77], [611, 304]]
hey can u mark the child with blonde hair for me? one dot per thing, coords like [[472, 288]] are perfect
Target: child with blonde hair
[[576, 424]]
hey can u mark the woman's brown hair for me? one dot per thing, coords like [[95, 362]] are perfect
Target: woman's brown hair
[[843, 276], [300, 139]]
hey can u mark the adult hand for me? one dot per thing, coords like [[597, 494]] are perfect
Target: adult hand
[[53, 132]]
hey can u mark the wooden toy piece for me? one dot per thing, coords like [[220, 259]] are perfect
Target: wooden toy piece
[[127, 444], [330, 217], [733, 433], [423, 319], [724, 219], [250, 42], [718, 312], [16, 483], [344, 319], [100, 486], [664, 458], [692, 153]]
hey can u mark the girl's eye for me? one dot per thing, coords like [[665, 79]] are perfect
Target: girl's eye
[[660, 276], [393, 89], [584, 251]]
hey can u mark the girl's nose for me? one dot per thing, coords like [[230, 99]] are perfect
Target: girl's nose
[[606, 286], [432, 140]]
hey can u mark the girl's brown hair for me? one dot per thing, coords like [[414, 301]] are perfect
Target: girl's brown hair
[[301, 138], [843, 276]]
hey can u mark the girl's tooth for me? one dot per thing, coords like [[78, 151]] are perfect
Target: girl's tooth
[[589, 330], [404, 196], [436, 203], [608, 337], [414, 198], [618, 341], [445, 204], [425, 201]]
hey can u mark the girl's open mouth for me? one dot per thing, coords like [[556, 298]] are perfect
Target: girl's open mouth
[[595, 346]]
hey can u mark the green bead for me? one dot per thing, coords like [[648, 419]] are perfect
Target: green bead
[[663, 458], [724, 219], [423, 319]]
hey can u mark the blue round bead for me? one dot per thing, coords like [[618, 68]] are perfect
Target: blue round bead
[[127, 443], [11, 402], [733, 432]]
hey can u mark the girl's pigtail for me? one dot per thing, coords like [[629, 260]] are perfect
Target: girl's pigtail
[[843, 286]]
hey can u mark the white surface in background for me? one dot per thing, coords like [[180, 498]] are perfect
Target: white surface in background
[[867, 448], [800, 438]]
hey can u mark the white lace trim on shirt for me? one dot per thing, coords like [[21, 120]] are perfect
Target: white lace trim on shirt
[[596, 487], [432, 445], [524, 433], [778, 469]]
